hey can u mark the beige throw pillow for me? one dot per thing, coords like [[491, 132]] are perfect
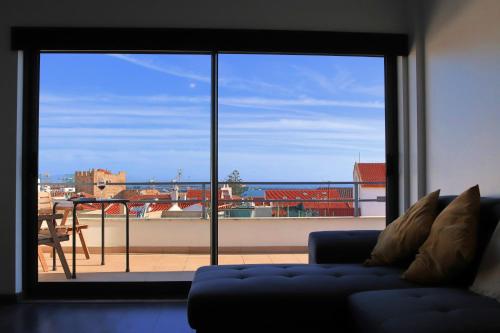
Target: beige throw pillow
[[451, 244], [487, 280], [402, 238]]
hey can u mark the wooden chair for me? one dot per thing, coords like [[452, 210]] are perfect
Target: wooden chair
[[50, 236], [45, 206], [53, 238]]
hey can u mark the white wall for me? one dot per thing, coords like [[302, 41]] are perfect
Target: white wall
[[372, 208], [415, 149], [462, 75], [233, 232], [453, 78], [335, 15]]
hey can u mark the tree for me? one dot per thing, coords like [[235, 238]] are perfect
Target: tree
[[234, 177]]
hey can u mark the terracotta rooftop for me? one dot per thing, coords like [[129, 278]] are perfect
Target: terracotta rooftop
[[308, 194], [371, 172]]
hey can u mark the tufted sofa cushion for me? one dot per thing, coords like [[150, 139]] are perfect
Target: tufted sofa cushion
[[282, 295], [429, 310], [336, 247]]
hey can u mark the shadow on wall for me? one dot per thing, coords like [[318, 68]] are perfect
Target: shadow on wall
[[440, 14]]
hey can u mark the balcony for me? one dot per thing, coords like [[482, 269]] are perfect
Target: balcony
[[167, 243]]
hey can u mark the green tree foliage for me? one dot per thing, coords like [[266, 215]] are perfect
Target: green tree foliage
[[234, 177]]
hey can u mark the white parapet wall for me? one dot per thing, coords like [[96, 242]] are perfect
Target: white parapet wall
[[185, 234]]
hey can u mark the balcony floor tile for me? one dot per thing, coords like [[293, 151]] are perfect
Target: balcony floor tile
[[154, 267]]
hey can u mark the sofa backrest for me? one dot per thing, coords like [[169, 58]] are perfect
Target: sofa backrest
[[489, 218]]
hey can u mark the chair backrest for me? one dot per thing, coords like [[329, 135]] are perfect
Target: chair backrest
[[44, 203]]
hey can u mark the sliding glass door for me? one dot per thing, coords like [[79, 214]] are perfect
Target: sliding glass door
[[220, 158], [134, 127], [301, 149]]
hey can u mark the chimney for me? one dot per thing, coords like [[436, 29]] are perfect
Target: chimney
[[175, 196]]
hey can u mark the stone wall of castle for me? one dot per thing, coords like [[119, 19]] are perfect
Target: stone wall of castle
[[85, 181]]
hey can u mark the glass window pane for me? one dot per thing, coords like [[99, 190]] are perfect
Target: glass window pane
[[137, 125], [285, 120]]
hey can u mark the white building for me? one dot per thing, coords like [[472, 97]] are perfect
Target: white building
[[371, 172]]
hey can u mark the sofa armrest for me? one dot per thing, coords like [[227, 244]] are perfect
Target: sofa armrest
[[329, 247]]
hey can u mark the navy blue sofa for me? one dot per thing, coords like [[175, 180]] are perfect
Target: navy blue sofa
[[335, 291]]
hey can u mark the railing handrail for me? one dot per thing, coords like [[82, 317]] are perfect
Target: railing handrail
[[143, 201], [321, 185], [224, 182], [248, 200]]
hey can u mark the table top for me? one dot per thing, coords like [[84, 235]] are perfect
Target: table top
[[48, 216], [98, 200]]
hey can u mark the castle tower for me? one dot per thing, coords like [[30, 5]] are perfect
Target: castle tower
[[85, 181]]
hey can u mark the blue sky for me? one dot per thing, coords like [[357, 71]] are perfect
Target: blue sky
[[281, 118]]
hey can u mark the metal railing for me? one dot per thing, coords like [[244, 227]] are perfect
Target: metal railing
[[204, 187]]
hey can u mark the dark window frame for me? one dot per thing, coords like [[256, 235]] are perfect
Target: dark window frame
[[33, 41]]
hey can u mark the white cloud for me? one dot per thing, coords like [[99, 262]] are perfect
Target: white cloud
[[270, 102], [54, 99], [255, 85], [340, 81], [150, 64], [105, 132], [288, 136], [331, 84], [298, 124], [119, 111], [250, 102]]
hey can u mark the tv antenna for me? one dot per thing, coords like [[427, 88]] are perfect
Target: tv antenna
[[179, 175]]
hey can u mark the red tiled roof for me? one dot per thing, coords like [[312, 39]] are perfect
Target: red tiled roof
[[344, 192], [139, 197], [187, 204], [89, 206], [192, 194], [135, 202], [307, 194], [155, 207], [135, 207], [113, 209], [371, 172], [349, 211]]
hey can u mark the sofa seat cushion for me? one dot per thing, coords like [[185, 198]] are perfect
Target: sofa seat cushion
[[424, 310], [293, 295]]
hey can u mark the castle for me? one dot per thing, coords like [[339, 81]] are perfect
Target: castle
[[85, 181]]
